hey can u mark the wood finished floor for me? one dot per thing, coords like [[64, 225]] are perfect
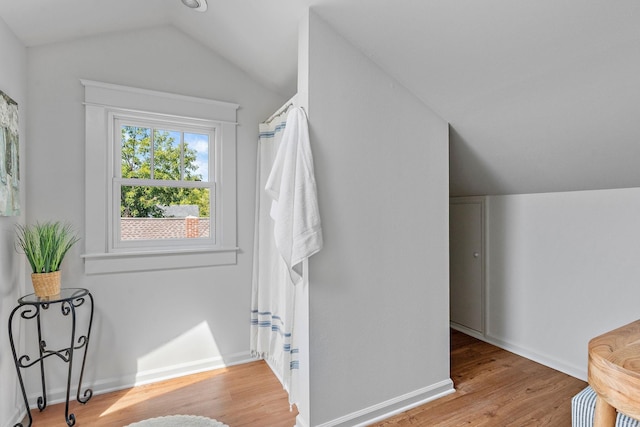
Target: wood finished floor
[[242, 395], [494, 388]]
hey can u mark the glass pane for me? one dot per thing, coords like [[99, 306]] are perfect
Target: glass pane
[[151, 213], [166, 155], [196, 157], [135, 152], [3, 155]]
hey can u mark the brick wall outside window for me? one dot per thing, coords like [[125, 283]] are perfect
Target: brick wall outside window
[[163, 228]]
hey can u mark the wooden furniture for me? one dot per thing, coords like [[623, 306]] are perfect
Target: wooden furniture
[[614, 373]]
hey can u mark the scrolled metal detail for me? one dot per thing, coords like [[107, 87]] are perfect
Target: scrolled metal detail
[[71, 420], [41, 403], [86, 396], [62, 354], [66, 308], [82, 341], [30, 312], [24, 360]]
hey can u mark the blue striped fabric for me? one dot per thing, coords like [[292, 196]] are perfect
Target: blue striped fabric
[[271, 133], [583, 407], [268, 320]]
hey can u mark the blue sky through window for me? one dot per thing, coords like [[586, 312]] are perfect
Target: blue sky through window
[[200, 143]]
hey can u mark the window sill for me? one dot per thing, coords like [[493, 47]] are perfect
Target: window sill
[[121, 262]]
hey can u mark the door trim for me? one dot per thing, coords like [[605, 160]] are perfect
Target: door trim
[[481, 200]]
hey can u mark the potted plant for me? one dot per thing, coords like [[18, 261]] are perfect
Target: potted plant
[[45, 245]]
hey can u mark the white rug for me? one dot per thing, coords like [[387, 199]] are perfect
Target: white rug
[[179, 421]]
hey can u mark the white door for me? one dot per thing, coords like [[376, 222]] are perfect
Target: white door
[[466, 263]]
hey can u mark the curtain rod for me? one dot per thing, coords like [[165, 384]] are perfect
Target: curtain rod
[[279, 112], [282, 109]]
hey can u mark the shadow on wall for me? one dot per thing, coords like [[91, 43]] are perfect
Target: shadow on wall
[[469, 173]]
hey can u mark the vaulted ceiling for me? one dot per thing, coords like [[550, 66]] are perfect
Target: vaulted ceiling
[[541, 95]]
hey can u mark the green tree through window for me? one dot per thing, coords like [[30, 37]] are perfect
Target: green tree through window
[[166, 158]]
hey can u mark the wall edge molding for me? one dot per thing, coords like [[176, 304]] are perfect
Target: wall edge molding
[[558, 365], [391, 407], [108, 385]]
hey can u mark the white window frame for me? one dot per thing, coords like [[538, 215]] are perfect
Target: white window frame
[[149, 120], [105, 104]]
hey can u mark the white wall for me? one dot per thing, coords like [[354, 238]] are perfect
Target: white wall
[[562, 269], [151, 324], [13, 82], [379, 334]]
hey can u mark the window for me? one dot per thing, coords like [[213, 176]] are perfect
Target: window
[[162, 190], [167, 163]]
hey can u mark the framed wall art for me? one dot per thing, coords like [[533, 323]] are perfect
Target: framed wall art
[[9, 157]]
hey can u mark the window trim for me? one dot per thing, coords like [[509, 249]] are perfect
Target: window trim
[[102, 101]]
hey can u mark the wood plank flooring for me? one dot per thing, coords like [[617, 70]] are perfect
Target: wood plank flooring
[[494, 388], [242, 395]]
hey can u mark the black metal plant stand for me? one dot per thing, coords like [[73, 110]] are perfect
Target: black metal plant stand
[[29, 307]]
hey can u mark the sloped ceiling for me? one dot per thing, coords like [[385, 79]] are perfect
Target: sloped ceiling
[[541, 95]]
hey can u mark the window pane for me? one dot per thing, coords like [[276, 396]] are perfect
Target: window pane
[[167, 163], [150, 213], [135, 152], [196, 157]]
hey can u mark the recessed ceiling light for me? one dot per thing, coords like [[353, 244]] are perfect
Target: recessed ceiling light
[[199, 5]]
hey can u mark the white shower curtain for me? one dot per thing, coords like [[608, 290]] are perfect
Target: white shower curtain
[[273, 293]]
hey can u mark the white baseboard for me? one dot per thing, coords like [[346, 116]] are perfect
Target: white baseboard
[[471, 332], [545, 360], [393, 406], [301, 422], [108, 385], [15, 418]]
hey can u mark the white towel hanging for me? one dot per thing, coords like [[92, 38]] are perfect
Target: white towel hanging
[[292, 185]]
